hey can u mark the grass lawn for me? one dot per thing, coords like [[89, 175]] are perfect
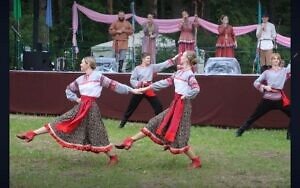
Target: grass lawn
[[260, 158]]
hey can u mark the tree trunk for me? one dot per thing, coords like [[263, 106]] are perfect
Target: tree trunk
[[154, 8], [162, 9], [57, 18], [110, 6], [42, 27]]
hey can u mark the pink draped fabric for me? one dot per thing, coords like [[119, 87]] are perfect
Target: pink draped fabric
[[98, 17], [165, 25], [75, 26], [284, 41], [93, 15]]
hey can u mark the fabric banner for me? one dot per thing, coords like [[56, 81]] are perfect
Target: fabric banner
[[49, 13], [165, 25], [17, 10]]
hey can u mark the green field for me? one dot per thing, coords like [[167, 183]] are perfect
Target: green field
[[260, 158]]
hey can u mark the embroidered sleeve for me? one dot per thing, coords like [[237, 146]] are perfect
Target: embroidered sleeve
[[160, 66], [162, 83], [195, 88], [258, 83], [70, 91], [114, 85], [134, 80]]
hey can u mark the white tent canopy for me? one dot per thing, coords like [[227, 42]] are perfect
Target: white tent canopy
[[105, 49]]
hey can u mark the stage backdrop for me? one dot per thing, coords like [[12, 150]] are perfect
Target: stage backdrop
[[223, 101]]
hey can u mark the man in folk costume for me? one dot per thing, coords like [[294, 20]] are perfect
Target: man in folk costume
[[142, 76], [266, 35], [171, 128], [270, 83], [120, 31], [82, 127]]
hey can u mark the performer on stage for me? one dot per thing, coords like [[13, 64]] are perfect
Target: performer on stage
[[120, 31], [186, 39], [150, 30], [82, 127], [266, 35], [142, 76], [270, 83], [226, 42], [171, 128]]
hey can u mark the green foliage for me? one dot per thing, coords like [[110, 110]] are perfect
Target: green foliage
[[245, 54]]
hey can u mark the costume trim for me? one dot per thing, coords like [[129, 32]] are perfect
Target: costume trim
[[172, 119], [70, 125], [160, 142], [77, 146]]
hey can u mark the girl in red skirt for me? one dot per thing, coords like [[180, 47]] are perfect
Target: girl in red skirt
[[171, 128], [226, 42], [82, 127]]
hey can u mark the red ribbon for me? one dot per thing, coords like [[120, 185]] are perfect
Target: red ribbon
[[149, 92], [71, 124], [285, 100], [173, 116]]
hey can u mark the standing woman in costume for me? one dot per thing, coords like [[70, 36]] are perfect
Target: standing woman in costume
[[226, 42], [150, 30], [82, 127], [171, 128], [270, 83], [142, 76], [186, 39]]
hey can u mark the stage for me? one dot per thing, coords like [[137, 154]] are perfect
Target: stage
[[223, 101]]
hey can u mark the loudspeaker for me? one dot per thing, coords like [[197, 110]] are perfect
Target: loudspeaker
[[36, 61]]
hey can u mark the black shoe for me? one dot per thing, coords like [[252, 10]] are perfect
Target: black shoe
[[238, 133], [288, 136], [120, 66], [122, 124]]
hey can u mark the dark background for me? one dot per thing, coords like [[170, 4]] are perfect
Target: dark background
[[4, 115]]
